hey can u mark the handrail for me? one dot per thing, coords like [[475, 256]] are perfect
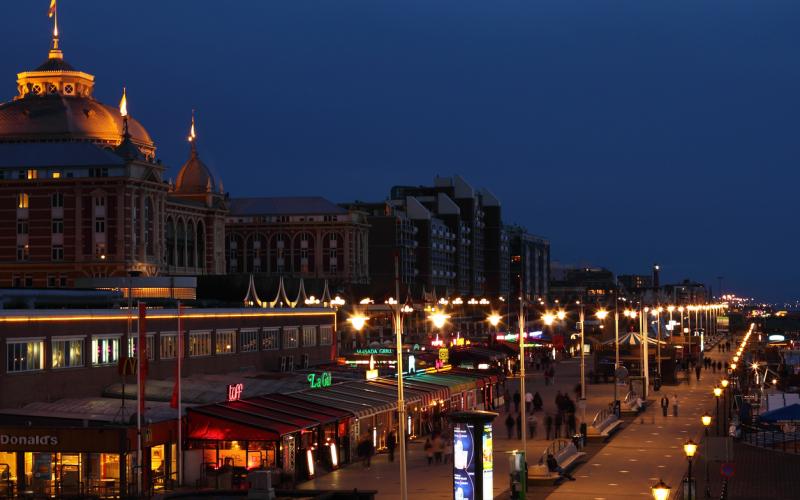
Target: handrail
[[554, 447], [601, 416]]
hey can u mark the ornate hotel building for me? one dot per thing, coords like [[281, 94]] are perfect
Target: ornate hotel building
[[82, 195]]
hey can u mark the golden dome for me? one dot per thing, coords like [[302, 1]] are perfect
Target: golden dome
[[57, 117], [195, 177]]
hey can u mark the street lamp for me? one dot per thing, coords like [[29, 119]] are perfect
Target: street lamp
[[717, 394], [660, 490], [706, 419], [439, 319], [725, 405], [690, 448], [494, 319], [548, 318]]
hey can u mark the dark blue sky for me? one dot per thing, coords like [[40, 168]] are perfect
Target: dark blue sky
[[626, 131]]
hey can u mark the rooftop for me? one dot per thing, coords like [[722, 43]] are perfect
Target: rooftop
[[56, 154], [291, 205]]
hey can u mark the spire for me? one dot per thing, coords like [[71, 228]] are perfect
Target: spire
[[55, 52], [123, 111], [193, 137]]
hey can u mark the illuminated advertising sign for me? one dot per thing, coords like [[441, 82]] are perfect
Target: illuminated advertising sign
[[375, 350], [235, 391], [316, 381], [488, 485], [776, 338], [463, 462]]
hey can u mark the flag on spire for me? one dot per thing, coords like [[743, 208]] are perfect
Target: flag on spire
[[192, 135], [52, 10]]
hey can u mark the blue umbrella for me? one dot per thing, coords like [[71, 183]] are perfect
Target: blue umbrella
[[789, 413]]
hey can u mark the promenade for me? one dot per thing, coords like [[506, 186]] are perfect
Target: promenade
[[646, 449]]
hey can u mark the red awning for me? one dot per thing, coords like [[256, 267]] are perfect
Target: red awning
[[208, 427]]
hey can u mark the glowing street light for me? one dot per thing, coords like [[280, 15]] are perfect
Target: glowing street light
[[601, 314], [494, 319], [690, 448], [439, 319], [548, 318], [660, 490], [706, 419], [358, 321], [561, 314]]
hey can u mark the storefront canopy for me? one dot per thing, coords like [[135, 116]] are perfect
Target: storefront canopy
[[789, 413], [323, 413]]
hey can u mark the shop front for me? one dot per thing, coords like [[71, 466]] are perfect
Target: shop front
[[46, 461]]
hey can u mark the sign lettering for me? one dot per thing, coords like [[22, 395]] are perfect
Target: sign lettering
[[235, 391], [375, 350], [44, 440], [315, 381]]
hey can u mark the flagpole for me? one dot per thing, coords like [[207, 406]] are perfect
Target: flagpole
[[139, 400], [179, 447]]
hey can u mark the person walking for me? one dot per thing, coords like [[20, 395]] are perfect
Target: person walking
[[674, 404], [509, 425], [438, 449], [697, 372], [533, 422], [390, 445], [370, 452], [548, 426], [664, 404], [537, 401], [528, 402], [428, 447], [516, 401]]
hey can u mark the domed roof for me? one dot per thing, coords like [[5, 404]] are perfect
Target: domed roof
[[55, 64], [58, 117], [195, 177]]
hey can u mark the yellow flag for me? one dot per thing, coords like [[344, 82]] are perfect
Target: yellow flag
[[123, 103], [52, 11]]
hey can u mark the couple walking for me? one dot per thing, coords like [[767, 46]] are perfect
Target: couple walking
[[665, 401]]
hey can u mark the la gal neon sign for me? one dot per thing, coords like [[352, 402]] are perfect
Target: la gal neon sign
[[315, 381]]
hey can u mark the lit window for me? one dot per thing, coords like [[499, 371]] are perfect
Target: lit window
[[168, 346], [133, 342], [269, 339], [199, 343], [309, 336], [105, 350], [67, 353], [32, 174], [23, 253], [226, 342], [325, 335], [248, 339], [290, 338], [25, 356], [22, 200], [55, 174]]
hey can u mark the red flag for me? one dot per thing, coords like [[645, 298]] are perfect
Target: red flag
[[141, 346], [176, 387]]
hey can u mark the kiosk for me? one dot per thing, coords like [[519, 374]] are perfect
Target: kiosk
[[472, 455]]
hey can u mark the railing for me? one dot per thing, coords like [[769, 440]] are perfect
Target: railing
[[555, 447], [601, 417], [770, 438]]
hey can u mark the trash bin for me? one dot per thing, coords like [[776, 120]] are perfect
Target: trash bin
[[657, 383]]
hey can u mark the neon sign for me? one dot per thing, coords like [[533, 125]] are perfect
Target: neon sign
[[374, 350], [235, 391], [315, 381]]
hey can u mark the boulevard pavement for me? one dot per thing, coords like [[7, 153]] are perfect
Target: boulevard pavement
[[645, 450]]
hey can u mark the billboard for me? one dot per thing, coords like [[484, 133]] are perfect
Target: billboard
[[463, 462], [486, 451]]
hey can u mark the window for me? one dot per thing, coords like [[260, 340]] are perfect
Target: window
[[57, 200], [55, 174], [58, 253], [22, 226], [248, 339], [98, 172], [200, 344], [100, 201], [25, 355], [58, 226], [309, 336], [100, 251], [105, 350], [67, 352], [269, 339], [23, 252], [168, 346], [325, 335], [290, 337], [22, 200], [100, 225], [133, 341], [28, 281], [226, 341], [51, 281], [32, 174]]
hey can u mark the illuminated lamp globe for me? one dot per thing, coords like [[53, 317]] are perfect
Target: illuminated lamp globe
[[494, 319], [717, 391], [660, 491], [690, 448], [724, 383], [706, 419], [357, 321]]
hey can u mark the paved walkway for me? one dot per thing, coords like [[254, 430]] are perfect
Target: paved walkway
[[645, 450]]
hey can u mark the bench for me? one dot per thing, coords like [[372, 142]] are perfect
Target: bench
[[604, 424], [565, 453], [630, 406]]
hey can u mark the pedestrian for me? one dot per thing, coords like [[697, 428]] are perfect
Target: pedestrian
[[537, 401], [520, 430], [559, 401], [528, 402], [390, 445], [438, 448], [559, 424], [533, 422], [507, 400], [697, 372], [674, 405], [510, 425], [428, 447], [548, 425], [361, 450], [370, 452], [516, 401], [664, 404]]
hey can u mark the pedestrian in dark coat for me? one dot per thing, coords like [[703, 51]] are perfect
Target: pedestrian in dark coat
[[548, 425], [516, 401], [697, 372], [665, 404], [537, 401]]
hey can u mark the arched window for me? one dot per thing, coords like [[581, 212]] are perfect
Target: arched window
[[257, 253], [303, 253], [181, 243], [169, 235], [279, 253], [333, 253], [201, 246], [149, 226], [234, 247], [190, 257]]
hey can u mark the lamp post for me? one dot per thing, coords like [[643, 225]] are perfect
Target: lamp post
[[522, 418], [725, 403], [601, 315], [657, 314], [690, 448], [706, 419], [583, 367], [660, 490], [717, 394], [645, 350]]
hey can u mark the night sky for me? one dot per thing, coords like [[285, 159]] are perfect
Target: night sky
[[626, 131]]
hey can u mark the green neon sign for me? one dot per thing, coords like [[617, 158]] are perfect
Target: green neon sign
[[374, 350], [315, 381]]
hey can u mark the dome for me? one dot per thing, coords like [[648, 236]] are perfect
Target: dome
[[195, 177], [58, 117]]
